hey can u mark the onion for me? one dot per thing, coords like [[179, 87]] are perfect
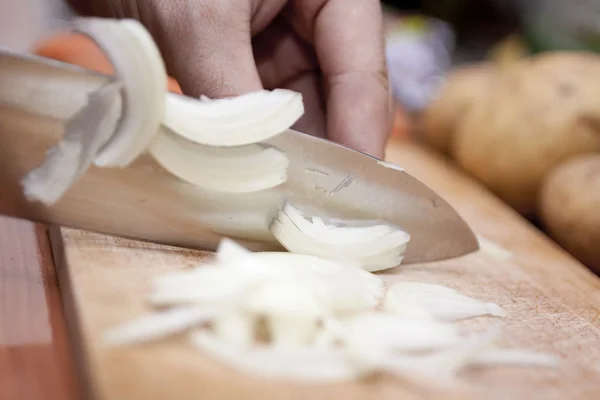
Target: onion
[[157, 326], [392, 333], [443, 303], [235, 327], [300, 364], [374, 248], [85, 133], [139, 65], [293, 311], [235, 121], [234, 169], [341, 289], [306, 318], [446, 362]]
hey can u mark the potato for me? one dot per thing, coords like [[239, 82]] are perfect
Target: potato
[[569, 207], [538, 113], [463, 86]]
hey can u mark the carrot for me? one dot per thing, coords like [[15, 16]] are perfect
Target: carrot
[[80, 50]]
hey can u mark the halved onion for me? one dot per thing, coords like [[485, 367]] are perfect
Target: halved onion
[[138, 63], [243, 169], [374, 248], [85, 133], [241, 120]]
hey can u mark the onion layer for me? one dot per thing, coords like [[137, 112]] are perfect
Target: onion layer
[[234, 170], [139, 65], [374, 248], [245, 119]]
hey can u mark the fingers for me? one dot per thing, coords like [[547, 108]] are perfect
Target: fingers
[[206, 44], [313, 121], [348, 39], [286, 61], [207, 56]]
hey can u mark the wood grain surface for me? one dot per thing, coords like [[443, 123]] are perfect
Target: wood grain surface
[[36, 360], [553, 303]]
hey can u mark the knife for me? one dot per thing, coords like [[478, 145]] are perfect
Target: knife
[[144, 202]]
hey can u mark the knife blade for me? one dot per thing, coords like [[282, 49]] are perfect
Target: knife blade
[[144, 202]]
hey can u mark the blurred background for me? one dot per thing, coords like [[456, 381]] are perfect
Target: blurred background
[[506, 91]]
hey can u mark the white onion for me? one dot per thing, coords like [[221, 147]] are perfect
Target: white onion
[[243, 169], [320, 319], [245, 119], [374, 248], [300, 364], [157, 325], [138, 63], [443, 303]]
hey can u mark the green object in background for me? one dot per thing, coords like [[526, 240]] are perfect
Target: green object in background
[[562, 25]]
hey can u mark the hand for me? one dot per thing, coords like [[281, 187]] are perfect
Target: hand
[[329, 50]]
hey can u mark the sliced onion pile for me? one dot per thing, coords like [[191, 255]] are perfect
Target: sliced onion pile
[[373, 248], [301, 317], [213, 144]]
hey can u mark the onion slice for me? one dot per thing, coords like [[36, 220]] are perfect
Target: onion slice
[[241, 120], [157, 325], [243, 169], [139, 65], [442, 303], [374, 248], [85, 133], [304, 363]]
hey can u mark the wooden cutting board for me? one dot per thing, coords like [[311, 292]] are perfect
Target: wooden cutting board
[[553, 301]]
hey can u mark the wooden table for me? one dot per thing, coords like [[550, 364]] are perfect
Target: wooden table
[[554, 304]]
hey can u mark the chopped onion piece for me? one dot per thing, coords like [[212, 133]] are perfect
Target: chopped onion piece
[[85, 133], [390, 332], [374, 252], [303, 363], [235, 327], [446, 362], [229, 252], [158, 325], [293, 310], [246, 119], [138, 63], [243, 169], [440, 302]]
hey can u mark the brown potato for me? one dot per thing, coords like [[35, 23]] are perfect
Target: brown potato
[[569, 207], [463, 86], [538, 113]]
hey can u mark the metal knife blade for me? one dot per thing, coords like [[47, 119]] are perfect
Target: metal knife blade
[[145, 202]]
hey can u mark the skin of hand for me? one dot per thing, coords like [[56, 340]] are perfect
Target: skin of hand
[[332, 51]]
